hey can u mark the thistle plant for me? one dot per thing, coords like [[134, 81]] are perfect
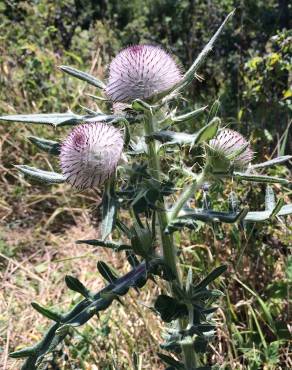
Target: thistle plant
[[104, 151]]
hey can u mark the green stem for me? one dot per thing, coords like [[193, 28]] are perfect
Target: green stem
[[186, 195], [168, 247]]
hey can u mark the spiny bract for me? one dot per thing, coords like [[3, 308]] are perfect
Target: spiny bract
[[228, 143], [141, 71], [90, 154]]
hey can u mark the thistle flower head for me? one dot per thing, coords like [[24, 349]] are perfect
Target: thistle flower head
[[90, 154], [141, 71], [229, 146]]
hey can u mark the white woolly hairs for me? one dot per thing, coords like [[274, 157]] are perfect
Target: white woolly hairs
[[141, 71], [90, 154]]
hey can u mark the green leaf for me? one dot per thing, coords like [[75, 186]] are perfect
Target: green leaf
[[212, 216], [179, 223], [46, 312], [25, 352], [259, 178], [270, 201], [107, 272], [208, 132], [214, 110], [257, 216], [109, 210], [141, 106], [127, 134], [188, 116], [171, 361], [117, 247], [272, 162], [83, 76], [181, 138], [49, 146], [123, 228], [189, 280], [172, 137], [205, 294], [191, 72], [58, 119], [169, 308], [211, 277], [141, 240], [285, 210], [54, 119], [76, 285], [279, 210], [47, 177]]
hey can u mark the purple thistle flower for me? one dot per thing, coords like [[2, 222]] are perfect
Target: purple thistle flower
[[141, 71], [90, 154], [227, 144]]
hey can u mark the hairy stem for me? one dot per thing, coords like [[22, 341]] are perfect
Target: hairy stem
[[168, 246], [186, 195]]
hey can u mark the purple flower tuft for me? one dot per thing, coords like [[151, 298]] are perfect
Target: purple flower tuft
[[90, 154], [141, 71], [228, 143]]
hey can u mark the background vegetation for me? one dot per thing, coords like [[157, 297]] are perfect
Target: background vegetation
[[249, 71]]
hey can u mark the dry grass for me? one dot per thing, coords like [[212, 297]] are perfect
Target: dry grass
[[37, 273]]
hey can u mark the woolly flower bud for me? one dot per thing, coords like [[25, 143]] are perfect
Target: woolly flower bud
[[229, 146], [90, 154], [141, 71]]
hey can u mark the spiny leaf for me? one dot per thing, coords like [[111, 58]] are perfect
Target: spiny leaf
[[54, 119], [188, 116], [60, 119], [117, 247], [83, 76], [189, 280], [214, 110], [47, 177], [191, 72], [260, 178], [212, 216], [171, 361], [76, 285], [169, 308], [211, 277], [181, 138], [109, 210], [270, 200], [49, 146], [257, 216], [208, 132], [272, 162], [46, 312], [171, 137], [107, 272], [285, 210], [141, 106], [277, 208], [206, 293], [25, 352]]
